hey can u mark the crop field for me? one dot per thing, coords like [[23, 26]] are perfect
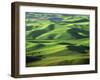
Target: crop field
[[54, 39]]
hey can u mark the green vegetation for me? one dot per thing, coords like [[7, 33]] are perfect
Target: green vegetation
[[56, 39]]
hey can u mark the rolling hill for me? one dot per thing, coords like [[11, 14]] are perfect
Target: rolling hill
[[56, 39]]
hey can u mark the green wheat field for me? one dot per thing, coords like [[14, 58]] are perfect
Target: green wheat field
[[55, 39]]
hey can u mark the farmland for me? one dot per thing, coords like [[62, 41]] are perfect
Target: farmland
[[54, 39]]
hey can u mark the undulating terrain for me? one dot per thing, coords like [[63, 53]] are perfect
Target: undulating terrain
[[54, 39]]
